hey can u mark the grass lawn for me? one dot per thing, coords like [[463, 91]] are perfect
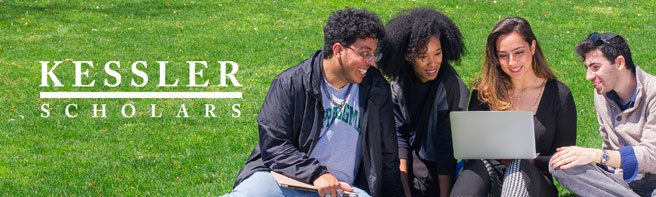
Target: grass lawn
[[197, 155]]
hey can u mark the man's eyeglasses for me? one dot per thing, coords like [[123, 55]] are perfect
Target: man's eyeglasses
[[599, 39], [369, 56]]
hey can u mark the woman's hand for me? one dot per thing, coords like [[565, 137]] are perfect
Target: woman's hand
[[404, 176]]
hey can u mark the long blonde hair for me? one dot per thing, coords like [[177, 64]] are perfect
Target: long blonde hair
[[494, 84]]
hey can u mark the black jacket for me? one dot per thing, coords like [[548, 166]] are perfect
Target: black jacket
[[290, 122], [430, 136]]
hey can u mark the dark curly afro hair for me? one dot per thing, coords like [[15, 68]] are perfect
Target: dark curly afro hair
[[407, 37], [347, 25]]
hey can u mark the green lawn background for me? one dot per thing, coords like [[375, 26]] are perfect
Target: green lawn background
[[201, 156]]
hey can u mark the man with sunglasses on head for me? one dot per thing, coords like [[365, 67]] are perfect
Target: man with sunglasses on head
[[625, 102], [328, 121]]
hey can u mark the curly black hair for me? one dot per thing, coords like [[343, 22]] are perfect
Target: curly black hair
[[407, 37], [347, 25], [614, 47]]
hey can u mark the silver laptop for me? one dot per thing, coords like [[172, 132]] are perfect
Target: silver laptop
[[493, 135]]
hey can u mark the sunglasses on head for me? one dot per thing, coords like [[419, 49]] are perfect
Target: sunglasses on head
[[599, 39]]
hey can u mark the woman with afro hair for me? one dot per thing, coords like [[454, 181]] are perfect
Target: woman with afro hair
[[417, 51]]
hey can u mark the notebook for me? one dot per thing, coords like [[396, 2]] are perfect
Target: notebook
[[284, 181]]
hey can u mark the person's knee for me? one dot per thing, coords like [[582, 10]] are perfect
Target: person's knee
[[554, 171], [458, 192], [560, 173], [470, 185], [258, 184]]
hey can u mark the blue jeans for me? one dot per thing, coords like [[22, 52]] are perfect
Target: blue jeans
[[263, 184]]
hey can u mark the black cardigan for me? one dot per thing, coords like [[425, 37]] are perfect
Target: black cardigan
[[430, 137], [555, 121]]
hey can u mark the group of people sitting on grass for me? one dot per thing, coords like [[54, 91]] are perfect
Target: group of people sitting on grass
[[334, 121]]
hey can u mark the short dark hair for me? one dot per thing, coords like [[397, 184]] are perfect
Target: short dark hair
[[347, 25], [611, 45], [407, 37]]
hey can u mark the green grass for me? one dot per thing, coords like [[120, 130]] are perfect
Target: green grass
[[201, 156]]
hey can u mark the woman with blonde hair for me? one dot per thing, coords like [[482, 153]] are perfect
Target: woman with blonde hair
[[516, 77]]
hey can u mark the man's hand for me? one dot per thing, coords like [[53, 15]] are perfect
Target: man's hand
[[571, 156], [328, 184]]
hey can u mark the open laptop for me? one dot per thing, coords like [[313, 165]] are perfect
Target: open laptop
[[493, 135]]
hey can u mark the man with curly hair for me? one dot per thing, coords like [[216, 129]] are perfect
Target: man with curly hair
[[328, 121]]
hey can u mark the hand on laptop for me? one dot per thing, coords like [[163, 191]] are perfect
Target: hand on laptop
[[328, 184], [571, 156]]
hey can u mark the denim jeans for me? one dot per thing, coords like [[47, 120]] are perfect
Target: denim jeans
[[263, 184]]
